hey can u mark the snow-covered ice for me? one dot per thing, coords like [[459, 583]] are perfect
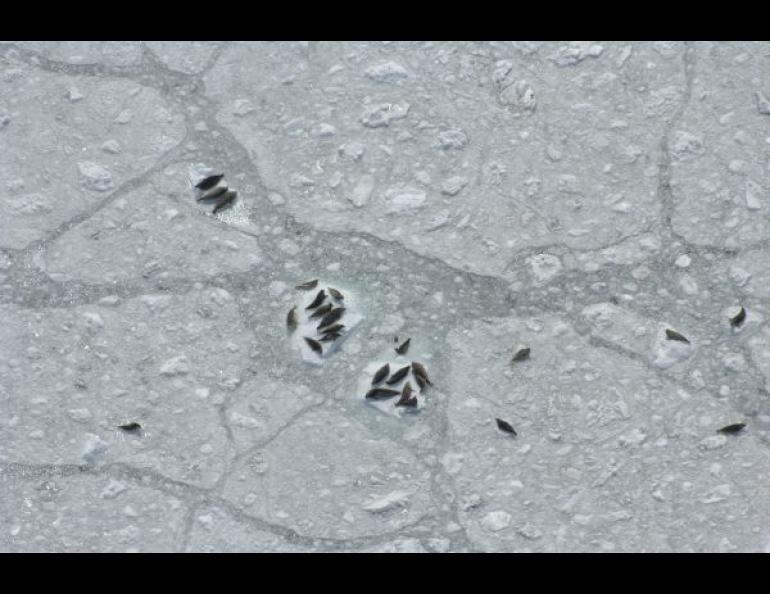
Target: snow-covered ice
[[605, 205]]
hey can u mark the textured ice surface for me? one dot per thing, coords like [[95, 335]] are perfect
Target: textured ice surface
[[55, 164], [575, 198]]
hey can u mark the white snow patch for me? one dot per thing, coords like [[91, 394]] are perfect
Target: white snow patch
[[178, 365], [496, 521], [753, 195], [453, 185], [391, 501], [763, 104], [519, 95], [352, 150], [74, 95], [386, 72], [403, 200], [244, 421], [544, 266], [93, 448], [453, 138], [95, 177], [79, 415], [111, 146], [362, 190], [686, 146], [113, 489], [574, 54], [381, 114]]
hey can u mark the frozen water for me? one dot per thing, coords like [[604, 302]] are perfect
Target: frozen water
[[579, 199]]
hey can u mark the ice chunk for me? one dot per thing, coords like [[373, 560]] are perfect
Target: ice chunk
[[178, 365], [93, 448], [386, 72], [667, 352], [404, 199], [95, 177], [389, 502], [496, 520], [381, 114]]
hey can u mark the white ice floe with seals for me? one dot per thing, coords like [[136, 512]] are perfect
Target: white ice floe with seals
[[666, 351], [396, 362], [232, 211], [308, 327]]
